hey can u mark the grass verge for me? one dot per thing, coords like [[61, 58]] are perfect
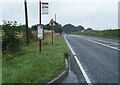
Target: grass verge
[[33, 66], [110, 37]]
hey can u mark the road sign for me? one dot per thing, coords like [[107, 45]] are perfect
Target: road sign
[[40, 31], [44, 8], [52, 23]]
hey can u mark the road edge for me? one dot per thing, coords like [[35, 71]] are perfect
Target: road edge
[[78, 62], [62, 75]]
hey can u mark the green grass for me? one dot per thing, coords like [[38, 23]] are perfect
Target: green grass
[[110, 37], [33, 66], [112, 34]]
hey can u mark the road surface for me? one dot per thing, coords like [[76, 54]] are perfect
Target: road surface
[[92, 60]]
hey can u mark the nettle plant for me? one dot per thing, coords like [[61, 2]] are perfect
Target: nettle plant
[[10, 40]]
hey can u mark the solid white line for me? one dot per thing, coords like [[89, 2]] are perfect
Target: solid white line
[[105, 41], [98, 40], [79, 64], [103, 44], [100, 43]]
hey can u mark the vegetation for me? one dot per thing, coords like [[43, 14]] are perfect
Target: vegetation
[[33, 66], [13, 37], [110, 33], [25, 64], [69, 28], [113, 34], [56, 29], [88, 29], [10, 40]]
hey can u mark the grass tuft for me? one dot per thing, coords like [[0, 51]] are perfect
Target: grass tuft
[[34, 66]]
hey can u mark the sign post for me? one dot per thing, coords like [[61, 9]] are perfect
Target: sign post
[[52, 24], [40, 32], [40, 26], [40, 42]]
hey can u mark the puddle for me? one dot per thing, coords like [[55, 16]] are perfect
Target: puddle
[[71, 78]]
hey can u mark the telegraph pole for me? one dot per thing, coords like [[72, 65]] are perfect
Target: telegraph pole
[[55, 17], [26, 20], [40, 42]]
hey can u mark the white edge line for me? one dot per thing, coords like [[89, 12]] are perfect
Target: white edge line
[[105, 41], [79, 64], [101, 40], [103, 44]]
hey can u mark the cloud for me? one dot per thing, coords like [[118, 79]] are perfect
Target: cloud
[[119, 15], [89, 14], [97, 14], [13, 11], [0, 14]]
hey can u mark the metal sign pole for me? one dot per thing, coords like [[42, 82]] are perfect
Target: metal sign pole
[[40, 42], [52, 36], [52, 24]]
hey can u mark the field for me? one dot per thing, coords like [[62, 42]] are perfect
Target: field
[[112, 34], [34, 66]]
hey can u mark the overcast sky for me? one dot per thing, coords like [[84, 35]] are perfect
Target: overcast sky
[[96, 14]]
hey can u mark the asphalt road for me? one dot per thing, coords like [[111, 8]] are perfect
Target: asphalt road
[[97, 56]]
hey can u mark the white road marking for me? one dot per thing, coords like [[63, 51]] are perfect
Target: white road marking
[[97, 40], [100, 43], [79, 64], [105, 41]]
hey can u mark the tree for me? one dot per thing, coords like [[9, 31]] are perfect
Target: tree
[[69, 28], [34, 27], [15, 23], [88, 29], [47, 27], [10, 42], [80, 28], [58, 28]]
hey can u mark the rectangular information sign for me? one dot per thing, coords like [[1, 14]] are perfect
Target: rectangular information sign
[[40, 31], [44, 8]]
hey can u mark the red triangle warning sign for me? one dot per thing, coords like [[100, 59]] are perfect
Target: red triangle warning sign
[[52, 23]]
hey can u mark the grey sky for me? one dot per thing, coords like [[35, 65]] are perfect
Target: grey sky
[[96, 14]]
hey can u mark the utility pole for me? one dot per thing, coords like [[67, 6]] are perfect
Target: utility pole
[[40, 42], [55, 17], [26, 20]]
